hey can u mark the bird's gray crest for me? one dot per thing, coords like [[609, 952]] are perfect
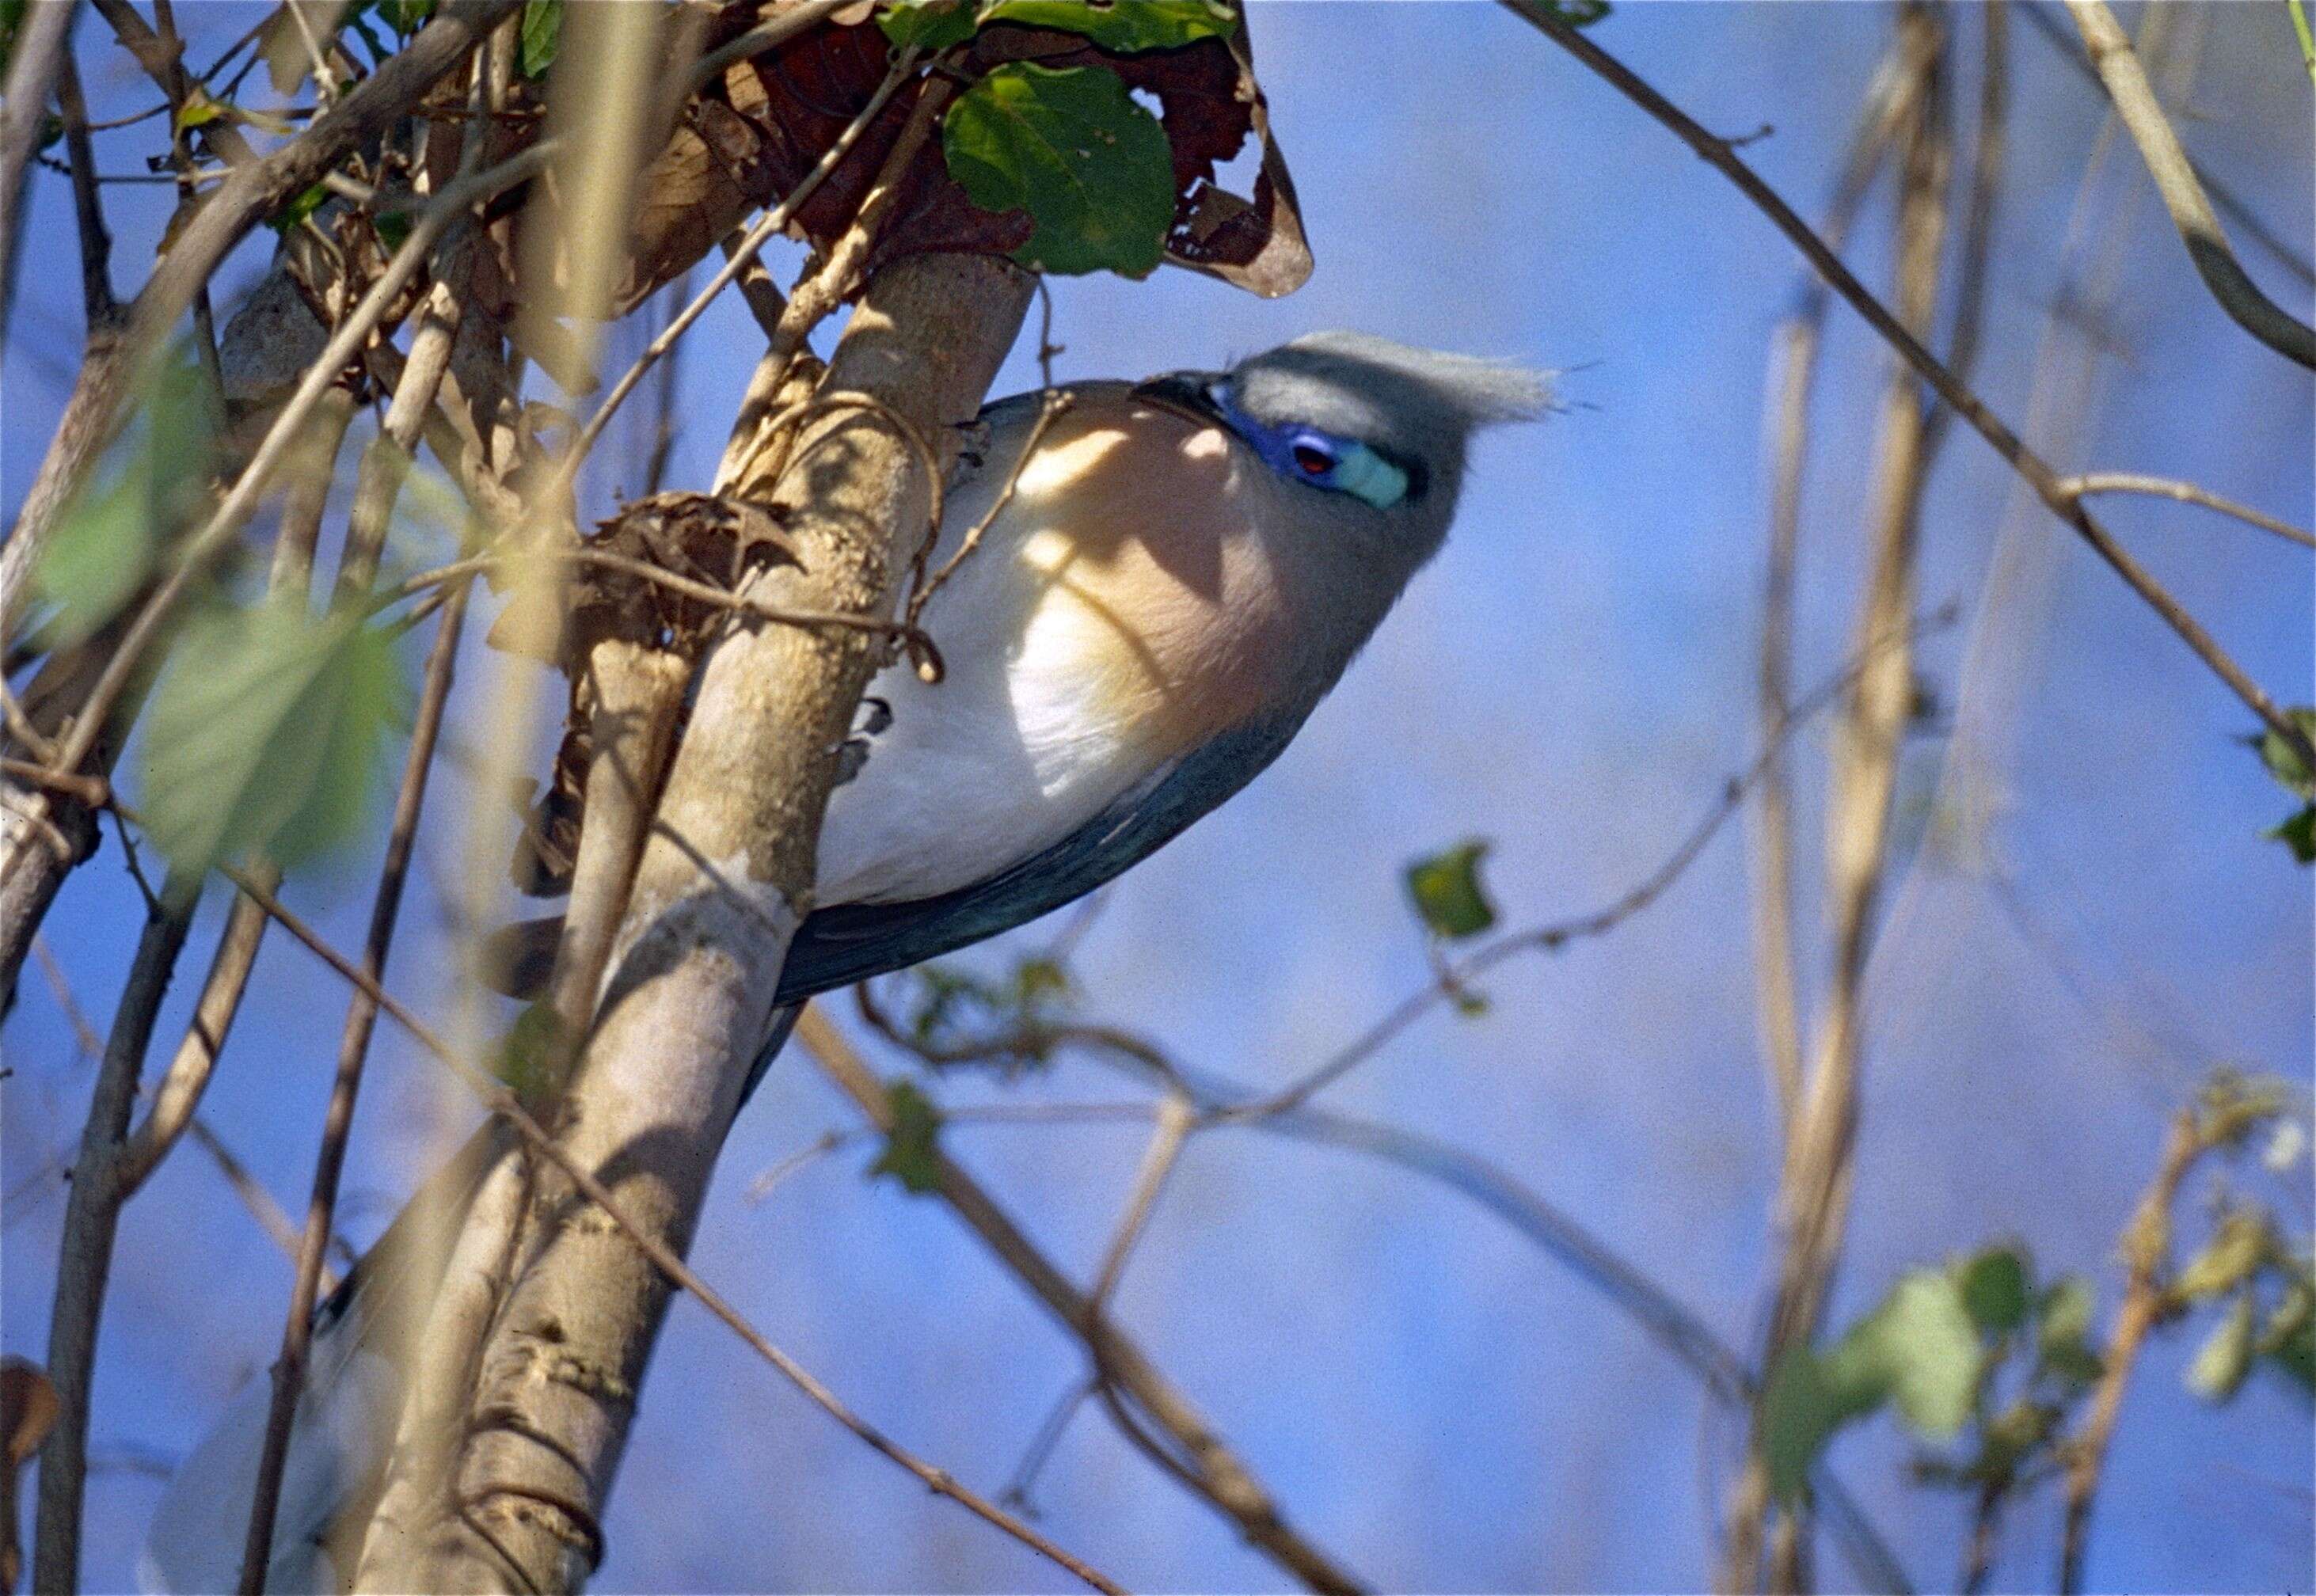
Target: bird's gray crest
[[1418, 402]]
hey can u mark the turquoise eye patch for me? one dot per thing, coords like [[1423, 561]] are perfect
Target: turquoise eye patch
[[1320, 460]]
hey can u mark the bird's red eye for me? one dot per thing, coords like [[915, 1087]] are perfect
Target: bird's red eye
[[1314, 461]]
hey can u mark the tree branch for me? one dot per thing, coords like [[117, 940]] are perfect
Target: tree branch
[[2118, 68], [43, 36]]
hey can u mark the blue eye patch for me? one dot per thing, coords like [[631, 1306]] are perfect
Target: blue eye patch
[[1320, 460]]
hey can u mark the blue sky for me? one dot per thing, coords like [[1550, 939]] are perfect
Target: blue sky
[[1430, 1397]]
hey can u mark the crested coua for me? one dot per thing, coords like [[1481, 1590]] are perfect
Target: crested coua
[[1182, 570]]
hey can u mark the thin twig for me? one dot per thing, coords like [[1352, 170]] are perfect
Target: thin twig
[[97, 300], [1554, 935], [2037, 472], [92, 1224], [2185, 493], [1176, 1117], [1794, 364], [1212, 1469], [2147, 1246], [337, 1124], [2283, 251], [1050, 408], [2117, 65], [918, 642], [43, 36], [735, 261]]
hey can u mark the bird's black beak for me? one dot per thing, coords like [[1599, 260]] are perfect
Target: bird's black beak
[[1184, 392]]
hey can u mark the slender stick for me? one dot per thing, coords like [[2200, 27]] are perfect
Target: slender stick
[[1794, 364], [2185, 493], [2117, 65], [44, 34], [2147, 1248], [1718, 153], [337, 1125], [91, 1221]]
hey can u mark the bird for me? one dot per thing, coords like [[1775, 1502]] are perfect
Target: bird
[[1167, 577]]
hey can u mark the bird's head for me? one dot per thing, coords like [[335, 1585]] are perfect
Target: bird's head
[[1374, 432]]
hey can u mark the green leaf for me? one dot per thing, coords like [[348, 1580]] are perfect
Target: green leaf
[[1919, 1350], [2297, 834], [911, 1155], [311, 201], [2288, 1339], [535, 1053], [393, 227], [1447, 893], [264, 734], [1995, 1290], [2282, 762], [2063, 1333], [110, 540], [100, 554], [929, 24], [1923, 1336], [1124, 26], [2224, 1359], [542, 36], [198, 111], [1071, 148]]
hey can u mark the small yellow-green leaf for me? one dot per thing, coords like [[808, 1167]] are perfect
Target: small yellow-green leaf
[[1447, 894], [1071, 148], [198, 111], [911, 1154], [2234, 1250], [265, 735], [542, 35], [2224, 1359], [1123, 26]]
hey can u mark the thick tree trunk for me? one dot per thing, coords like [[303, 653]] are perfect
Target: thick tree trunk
[[726, 879]]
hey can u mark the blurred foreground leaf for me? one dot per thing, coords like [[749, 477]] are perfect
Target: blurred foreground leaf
[[1918, 1350], [265, 732], [111, 537]]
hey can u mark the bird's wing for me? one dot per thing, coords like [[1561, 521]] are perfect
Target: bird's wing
[[849, 942]]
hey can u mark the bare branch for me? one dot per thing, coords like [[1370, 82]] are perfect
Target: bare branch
[[1211, 1468], [92, 1222], [2118, 68], [2185, 493], [43, 38]]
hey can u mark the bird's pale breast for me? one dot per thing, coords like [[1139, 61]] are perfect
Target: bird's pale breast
[[1120, 610]]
